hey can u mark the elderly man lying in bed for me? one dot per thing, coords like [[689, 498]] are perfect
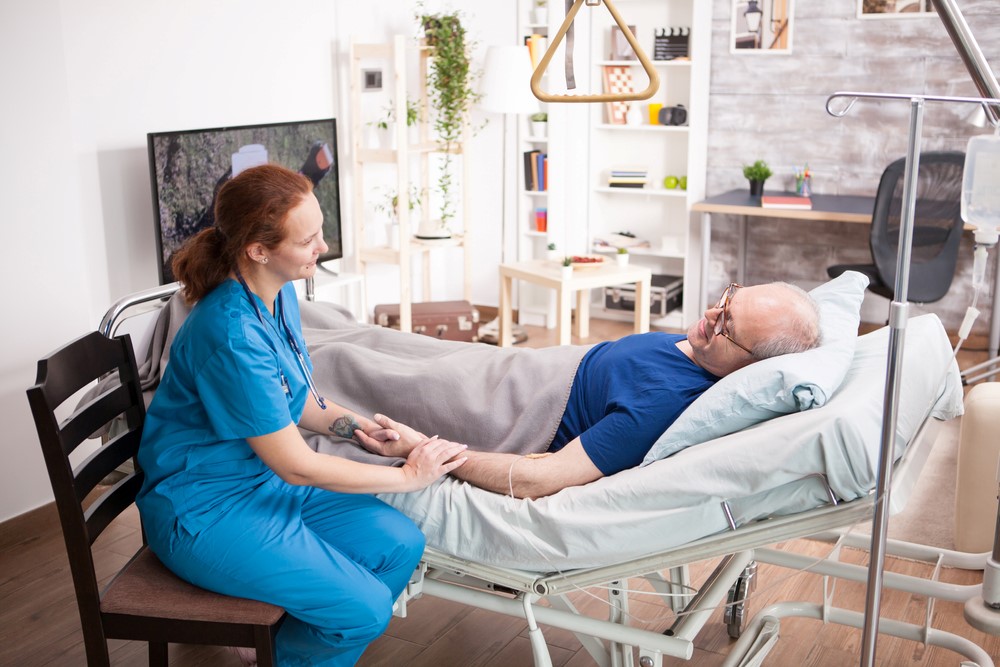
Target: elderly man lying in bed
[[623, 395]]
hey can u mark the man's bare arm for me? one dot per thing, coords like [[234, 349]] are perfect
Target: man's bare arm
[[529, 477]]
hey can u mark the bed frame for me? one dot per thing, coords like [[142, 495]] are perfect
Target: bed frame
[[612, 642]]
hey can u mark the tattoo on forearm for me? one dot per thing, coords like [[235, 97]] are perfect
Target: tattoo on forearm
[[345, 426]]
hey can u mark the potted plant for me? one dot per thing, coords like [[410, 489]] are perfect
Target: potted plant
[[539, 123], [757, 173], [450, 94], [385, 123], [552, 252], [622, 256], [389, 206], [567, 268]]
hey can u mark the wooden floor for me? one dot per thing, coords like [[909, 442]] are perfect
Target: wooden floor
[[39, 623]]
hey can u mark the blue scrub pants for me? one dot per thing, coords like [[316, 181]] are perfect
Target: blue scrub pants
[[336, 562]]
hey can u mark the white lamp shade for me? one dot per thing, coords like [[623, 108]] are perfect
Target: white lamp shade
[[506, 83]]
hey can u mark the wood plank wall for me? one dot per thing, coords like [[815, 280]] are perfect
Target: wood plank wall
[[772, 107]]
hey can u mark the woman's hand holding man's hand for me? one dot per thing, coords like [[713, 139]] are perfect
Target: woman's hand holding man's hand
[[390, 438]]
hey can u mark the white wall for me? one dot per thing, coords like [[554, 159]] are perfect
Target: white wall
[[82, 85]]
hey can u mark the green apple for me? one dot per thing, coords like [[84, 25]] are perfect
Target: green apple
[[684, 182], [670, 182]]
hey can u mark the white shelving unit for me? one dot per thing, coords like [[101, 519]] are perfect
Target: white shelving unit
[[410, 158], [535, 306], [658, 215]]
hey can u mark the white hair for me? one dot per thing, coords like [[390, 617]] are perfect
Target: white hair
[[798, 332]]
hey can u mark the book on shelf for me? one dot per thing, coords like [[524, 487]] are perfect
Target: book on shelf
[[627, 178], [536, 170], [530, 170], [537, 46], [786, 201]]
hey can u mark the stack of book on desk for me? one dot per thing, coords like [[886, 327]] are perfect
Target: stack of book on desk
[[627, 178], [786, 201]]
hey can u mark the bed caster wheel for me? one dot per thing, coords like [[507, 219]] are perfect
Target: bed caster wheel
[[735, 615]]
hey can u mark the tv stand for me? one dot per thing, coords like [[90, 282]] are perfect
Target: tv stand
[[326, 269], [322, 284]]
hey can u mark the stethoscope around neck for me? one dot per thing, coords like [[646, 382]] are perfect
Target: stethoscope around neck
[[280, 317]]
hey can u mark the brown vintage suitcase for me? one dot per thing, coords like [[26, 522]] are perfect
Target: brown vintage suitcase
[[448, 320]]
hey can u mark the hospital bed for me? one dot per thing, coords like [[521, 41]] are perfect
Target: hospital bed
[[807, 473]]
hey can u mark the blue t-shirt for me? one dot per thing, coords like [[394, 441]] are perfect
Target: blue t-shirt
[[231, 375], [624, 396]]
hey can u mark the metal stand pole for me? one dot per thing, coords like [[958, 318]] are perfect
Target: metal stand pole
[[898, 314]]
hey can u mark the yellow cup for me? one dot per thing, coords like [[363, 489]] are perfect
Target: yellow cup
[[654, 113]]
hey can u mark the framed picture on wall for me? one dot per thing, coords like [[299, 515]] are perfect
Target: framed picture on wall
[[761, 27], [894, 9]]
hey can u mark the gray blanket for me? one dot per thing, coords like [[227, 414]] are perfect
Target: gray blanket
[[501, 399]]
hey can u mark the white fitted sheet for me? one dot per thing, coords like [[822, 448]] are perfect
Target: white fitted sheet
[[762, 471]]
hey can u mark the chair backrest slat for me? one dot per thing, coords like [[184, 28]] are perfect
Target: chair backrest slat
[[123, 447], [74, 366], [95, 415], [111, 503]]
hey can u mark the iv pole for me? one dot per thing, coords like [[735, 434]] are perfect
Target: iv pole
[[987, 85], [898, 315]]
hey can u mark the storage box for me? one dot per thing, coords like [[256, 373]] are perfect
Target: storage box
[[448, 320], [666, 294]]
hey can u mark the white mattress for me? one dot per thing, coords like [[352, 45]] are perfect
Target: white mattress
[[762, 471]]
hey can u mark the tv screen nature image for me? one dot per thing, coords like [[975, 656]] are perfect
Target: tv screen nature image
[[188, 167]]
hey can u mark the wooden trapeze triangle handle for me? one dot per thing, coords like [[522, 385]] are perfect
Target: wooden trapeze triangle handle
[[647, 66]]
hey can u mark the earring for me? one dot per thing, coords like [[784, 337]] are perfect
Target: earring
[[262, 260]]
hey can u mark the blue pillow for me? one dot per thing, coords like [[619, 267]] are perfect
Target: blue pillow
[[779, 385]]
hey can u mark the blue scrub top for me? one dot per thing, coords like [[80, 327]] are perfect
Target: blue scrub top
[[624, 396], [231, 375]]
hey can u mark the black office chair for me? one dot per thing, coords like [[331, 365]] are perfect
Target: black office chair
[[937, 228], [144, 601]]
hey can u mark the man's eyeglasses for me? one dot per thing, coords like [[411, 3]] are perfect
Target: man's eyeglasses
[[720, 324]]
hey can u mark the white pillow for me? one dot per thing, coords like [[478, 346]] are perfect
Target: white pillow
[[778, 385]]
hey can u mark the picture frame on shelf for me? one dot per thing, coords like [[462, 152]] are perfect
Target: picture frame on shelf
[[617, 80], [620, 48]]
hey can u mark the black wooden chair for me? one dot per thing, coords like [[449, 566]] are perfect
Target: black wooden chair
[[144, 601], [937, 228]]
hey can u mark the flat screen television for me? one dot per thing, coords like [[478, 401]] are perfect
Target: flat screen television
[[188, 167]]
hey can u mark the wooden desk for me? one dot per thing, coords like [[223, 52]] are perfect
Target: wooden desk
[[826, 208], [548, 273]]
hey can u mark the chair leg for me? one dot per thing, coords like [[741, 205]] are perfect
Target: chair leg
[[158, 654], [264, 643]]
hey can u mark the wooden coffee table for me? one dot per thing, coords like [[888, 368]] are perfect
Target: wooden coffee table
[[548, 273]]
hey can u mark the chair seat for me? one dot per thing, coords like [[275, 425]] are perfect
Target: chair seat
[[145, 587]]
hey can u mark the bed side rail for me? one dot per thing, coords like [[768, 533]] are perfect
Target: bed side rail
[[111, 319]]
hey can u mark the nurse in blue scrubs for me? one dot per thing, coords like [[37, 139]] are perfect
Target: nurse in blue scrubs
[[234, 500]]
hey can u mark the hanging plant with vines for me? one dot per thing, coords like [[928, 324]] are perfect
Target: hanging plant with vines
[[450, 93]]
